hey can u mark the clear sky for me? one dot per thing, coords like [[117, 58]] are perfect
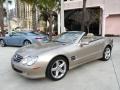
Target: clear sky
[[13, 3]]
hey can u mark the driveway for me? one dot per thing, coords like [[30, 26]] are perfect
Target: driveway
[[96, 75]]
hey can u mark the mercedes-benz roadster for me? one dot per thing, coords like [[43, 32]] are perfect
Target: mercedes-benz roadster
[[53, 59]]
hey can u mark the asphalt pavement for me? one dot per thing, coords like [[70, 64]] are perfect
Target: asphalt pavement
[[96, 75]]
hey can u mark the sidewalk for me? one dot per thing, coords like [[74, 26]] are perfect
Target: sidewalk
[[116, 59]]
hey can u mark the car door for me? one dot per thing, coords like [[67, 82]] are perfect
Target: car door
[[14, 39], [90, 51], [8, 39], [85, 53]]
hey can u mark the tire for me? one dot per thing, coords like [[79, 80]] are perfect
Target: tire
[[2, 43], [57, 69], [106, 53], [26, 42]]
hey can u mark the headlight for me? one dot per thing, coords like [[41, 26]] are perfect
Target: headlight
[[30, 60]]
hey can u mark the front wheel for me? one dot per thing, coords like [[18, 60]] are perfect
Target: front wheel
[[106, 54], [57, 68]]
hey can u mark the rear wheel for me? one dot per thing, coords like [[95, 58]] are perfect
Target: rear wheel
[[26, 42], [106, 54], [2, 43], [57, 68]]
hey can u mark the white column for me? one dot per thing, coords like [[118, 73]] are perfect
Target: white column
[[100, 21], [104, 23], [62, 16], [59, 29], [103, 26]]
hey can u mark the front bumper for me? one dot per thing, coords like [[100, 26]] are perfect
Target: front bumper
[[28, 72]]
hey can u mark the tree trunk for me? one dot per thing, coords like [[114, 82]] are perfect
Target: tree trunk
[[83, 16], [88, 26], [24, 16], [34, 25], [2, 19], [18, 10], [50, 27]]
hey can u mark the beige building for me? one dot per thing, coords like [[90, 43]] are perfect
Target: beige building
[[24, 14], [110, 13]]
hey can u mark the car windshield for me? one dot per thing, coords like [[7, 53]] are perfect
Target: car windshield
[[68, 37]]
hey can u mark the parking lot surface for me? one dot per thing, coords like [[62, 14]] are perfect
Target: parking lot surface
[[96, 75]]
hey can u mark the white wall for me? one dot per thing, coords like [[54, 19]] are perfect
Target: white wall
[[112, 6], [72, 4], [79, 3], [109, 6]]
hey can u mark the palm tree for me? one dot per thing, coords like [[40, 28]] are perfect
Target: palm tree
[[48, 9], [34, 4], [83, 15], [2, 17]]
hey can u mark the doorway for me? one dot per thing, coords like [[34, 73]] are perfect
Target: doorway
[[73, 19]]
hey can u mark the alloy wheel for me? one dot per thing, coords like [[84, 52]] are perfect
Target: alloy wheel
[[58, 69], [107, 53]]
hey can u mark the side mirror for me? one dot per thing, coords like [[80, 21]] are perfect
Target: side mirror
[[84, 43], [10, 35]]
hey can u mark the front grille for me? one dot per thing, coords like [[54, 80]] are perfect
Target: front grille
[[17, 58]]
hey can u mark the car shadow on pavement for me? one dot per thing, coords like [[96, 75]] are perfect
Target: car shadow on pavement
[[72, 71]]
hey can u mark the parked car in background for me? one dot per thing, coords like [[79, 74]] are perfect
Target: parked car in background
[[22, 38], [53, 59]]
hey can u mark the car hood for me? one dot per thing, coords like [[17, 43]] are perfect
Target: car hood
[[39, 48]]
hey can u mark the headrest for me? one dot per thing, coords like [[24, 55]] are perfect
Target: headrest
[[90, 35]]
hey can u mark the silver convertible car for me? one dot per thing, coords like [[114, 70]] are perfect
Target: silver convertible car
[[53, 59]]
